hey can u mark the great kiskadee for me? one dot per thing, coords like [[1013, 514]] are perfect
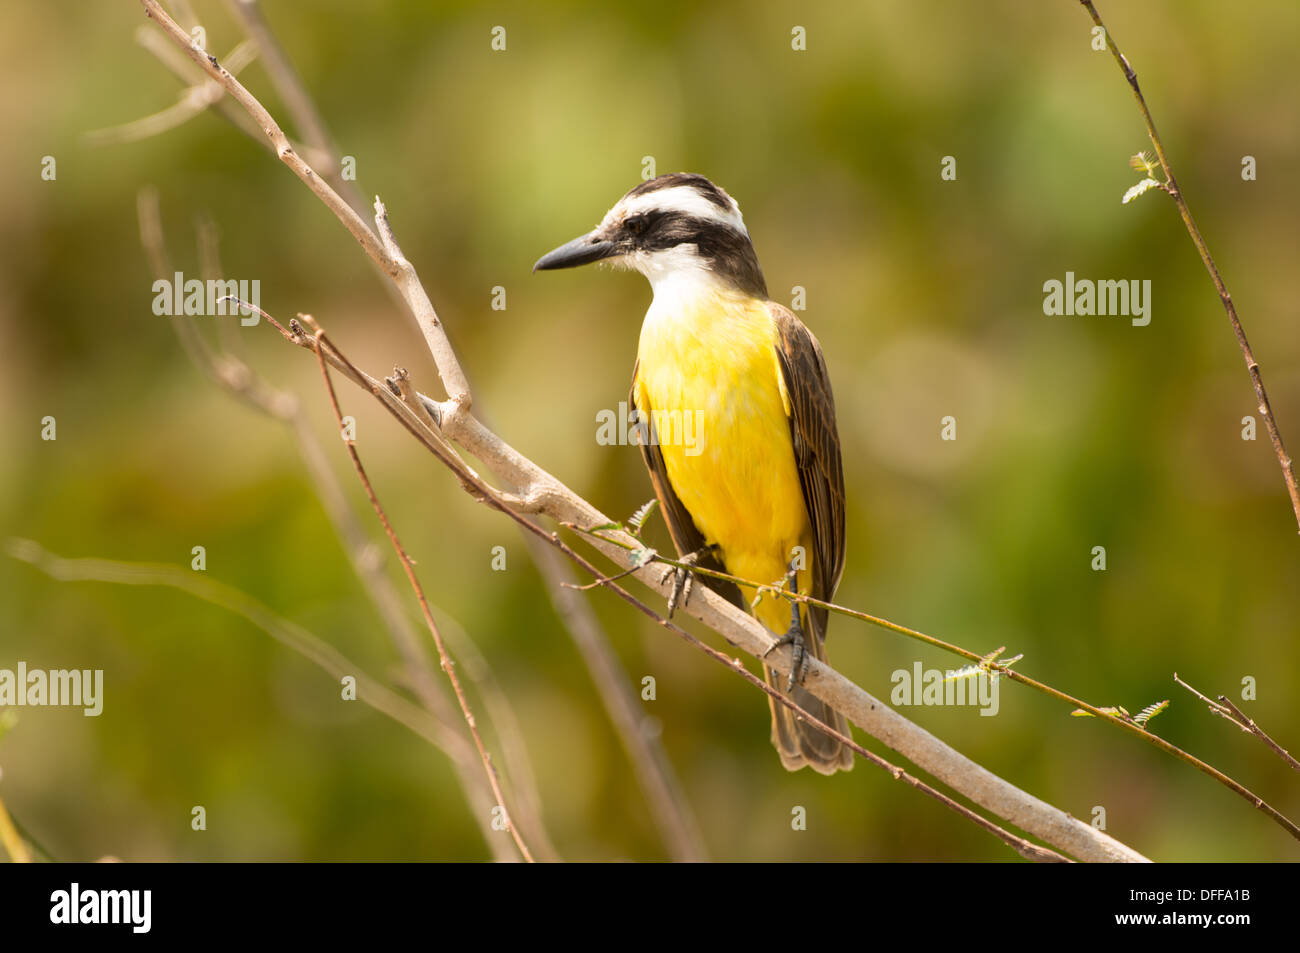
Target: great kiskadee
[[759, 490]]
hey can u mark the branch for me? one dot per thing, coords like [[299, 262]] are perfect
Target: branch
[[240, 381], [181, 67], [284, 150], [521, 779], [668, 804], [322, 344], [1261, 395], [194, 100], [667, 801], [316, 139], [533, 490], [986, 662], [1023, 847], [320, 653], [1226, 709], [909, 739]]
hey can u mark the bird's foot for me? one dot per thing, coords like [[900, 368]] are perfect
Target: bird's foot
[[794, 638], [683, 579]]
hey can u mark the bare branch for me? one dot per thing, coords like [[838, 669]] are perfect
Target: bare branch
[[653, 771], [370, 691], [316, 139], [1025, 848], [240, 381], [284, 150], [528, 488], [1176, 193], [520, 777], [1094, 845], [193, 100], [995, 668], [322, 345], [669, 808], [1224, 708]]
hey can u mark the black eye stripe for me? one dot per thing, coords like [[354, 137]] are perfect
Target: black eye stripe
[[727, 249], [662, 228]]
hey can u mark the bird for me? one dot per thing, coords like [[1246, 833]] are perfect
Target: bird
[[742, 450]]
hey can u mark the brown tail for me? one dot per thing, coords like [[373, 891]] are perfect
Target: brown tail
[[796, 741]]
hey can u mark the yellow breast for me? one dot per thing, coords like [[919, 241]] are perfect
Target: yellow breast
[[709, 376]]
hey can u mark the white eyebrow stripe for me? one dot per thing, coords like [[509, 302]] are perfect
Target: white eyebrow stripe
[[683, 198]]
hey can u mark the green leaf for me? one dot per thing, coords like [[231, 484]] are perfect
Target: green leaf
[[1080, 713], [639, 517], [1143, 186], [1143, 162], [1146, 714]]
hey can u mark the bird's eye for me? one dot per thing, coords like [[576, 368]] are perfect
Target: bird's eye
[[635, 225]]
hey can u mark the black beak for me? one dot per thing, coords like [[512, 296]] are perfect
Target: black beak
[[580, 251]]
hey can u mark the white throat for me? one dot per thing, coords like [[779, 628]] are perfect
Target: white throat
[[677, 273]]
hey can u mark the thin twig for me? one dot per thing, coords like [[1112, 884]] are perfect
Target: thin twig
[[1224, 708], [370, 691], [994, 668], [188, 73], [1023, 847], [533, 490], [601, 580], [503, 720], [1261, 395], [240, 381], [669, 807], [329, 353], [193, 101], [653, 770], [208, 238], [316, 138], [975, 781], [322, 345], [284, 149]]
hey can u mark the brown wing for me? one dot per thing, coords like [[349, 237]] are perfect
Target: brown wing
[[681, 526], [816, 449]]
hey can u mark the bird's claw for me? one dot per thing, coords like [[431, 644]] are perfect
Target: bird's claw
[[793, 638], [683, 578], [683, 583]]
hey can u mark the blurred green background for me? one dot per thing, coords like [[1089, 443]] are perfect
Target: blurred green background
[[927, 296]]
